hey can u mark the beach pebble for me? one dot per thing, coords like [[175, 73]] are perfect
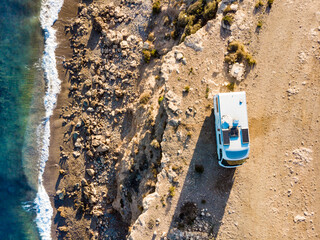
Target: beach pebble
[[76, 154]]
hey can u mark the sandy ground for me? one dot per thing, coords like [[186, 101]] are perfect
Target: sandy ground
[[51, 175]]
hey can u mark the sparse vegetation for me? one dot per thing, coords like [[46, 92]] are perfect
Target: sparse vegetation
[[190, 70], [195, 17], [154, 52], [259, 24], [189, 134], [199, 168], [270, 2], [228, 19], [144, 98], [172, 191], [250, 60], [151, 224], [230, 86], [160, 100], [187, 88], [156, 7], [237, 53], [207, 91], [146, 55], [162, 201], [259, 4]]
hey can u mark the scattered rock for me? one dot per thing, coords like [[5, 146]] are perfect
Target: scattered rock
[[90, 172], [61, 194], [179, 56], [299, 218], [76, 154], [63, 229]]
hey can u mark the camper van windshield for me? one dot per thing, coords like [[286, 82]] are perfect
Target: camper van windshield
[[236, 154]]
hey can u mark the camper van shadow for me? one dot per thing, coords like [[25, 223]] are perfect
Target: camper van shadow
[[205, 191]]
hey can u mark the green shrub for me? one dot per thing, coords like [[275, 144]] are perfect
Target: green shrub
[[207, 92], [195, 28], [187, 88], [172, 191], [160, 100], [210, 10], [182, 19], [250, 60], [259, 24], [154, 53], [270, 2], [259, 4], [156, 7], [195, 17], [146, 55], [230, 86], [237, 53], [228, 19], [234, 46], [195, 8]]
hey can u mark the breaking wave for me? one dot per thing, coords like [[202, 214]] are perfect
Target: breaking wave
[[48, 15]]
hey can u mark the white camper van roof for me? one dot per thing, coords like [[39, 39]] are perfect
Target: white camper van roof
[[234, 104]]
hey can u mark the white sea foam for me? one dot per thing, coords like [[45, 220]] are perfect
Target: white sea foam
[[48, 15]]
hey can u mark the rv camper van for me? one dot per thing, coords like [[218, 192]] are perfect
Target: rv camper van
[[232, 130]]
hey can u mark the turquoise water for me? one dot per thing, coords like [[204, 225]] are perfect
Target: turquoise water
[[21, 100]]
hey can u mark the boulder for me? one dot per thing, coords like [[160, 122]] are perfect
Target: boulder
[[61, 194], [76, 154], [102, 148], [179, 56], [237, 71], [90, 172]]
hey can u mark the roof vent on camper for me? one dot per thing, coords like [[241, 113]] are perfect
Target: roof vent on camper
[[226, 121], [235, 122]]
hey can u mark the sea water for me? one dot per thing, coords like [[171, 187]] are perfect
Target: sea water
[[29, 86]]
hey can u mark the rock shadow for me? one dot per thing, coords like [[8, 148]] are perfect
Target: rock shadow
[[205, 191], [93, 40]]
